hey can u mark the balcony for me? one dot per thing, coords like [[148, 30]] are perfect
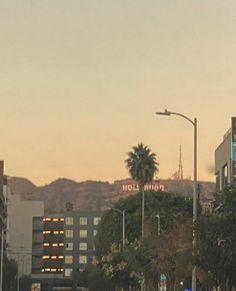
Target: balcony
[[53, 238]]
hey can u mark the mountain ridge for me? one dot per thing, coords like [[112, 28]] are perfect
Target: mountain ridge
[[94, 195]]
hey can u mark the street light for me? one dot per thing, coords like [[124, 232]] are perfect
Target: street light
[[123, 223], [194, 123]]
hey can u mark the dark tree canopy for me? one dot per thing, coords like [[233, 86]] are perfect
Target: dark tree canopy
[[142, 164]]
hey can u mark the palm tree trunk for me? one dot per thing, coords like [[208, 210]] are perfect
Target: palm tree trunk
[[143, 212]]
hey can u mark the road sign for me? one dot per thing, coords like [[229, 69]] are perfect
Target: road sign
[[163, 277]]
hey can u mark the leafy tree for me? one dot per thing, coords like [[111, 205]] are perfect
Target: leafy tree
[[25, 283], [217, 241], [124, 268], [170, 252], [9, 274], [150, 257], [142, 166], [94, 278]]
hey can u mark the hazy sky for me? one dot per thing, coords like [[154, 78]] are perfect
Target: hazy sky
[[80, 81]]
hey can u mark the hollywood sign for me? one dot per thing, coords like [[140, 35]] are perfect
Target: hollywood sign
[[135, 187]]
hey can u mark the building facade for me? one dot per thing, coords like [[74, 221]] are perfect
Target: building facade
[[225, 159], [80, 230], [19, 230], [62, 243]]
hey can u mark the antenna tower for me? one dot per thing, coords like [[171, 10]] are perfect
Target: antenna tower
[[180, 174]]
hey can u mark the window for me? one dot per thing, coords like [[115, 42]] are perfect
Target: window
[[68, 272], [68, 259], [96, 220], [95, 232], [69, 233], [83, 233], [83, 221], [69, 247], [69, 220], [83, 246], [83, 259]]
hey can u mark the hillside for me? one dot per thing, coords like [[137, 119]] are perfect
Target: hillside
[[95, 194]]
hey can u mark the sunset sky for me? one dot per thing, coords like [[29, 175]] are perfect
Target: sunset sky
[[80, 81]]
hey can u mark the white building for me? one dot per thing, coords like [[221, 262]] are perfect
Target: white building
[[20, 215]]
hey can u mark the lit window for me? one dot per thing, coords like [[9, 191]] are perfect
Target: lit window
[[45, 257], [46, 244], [68, 259], [69, 246], [55, 244], [61, 219], [69, 233], [61, 244], [61, 231], [53, 257], [46, 232], [83, 259], [60, 257], [95, 232], [83, 233], [83, 221], [69, 220], [47, 219], [68, 272], [83, 246], [96, 220], [55, 219], [53, 270], [55, 232], [47, 270]]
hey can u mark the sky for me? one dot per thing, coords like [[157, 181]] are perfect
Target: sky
[[81, 80]]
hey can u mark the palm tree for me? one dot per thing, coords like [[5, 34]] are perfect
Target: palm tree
[[142, 166]]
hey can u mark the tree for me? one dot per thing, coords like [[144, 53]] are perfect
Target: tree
[[94, 278], [217, 241], [25, 283], [9, 274], [142, 166], [169, 253]]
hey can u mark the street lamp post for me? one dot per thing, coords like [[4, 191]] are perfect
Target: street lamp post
[[123, 223], [194, 123]]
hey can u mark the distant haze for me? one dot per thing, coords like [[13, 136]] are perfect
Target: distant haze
[[80, 82]]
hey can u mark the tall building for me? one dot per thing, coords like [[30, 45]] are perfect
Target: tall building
[[225, 159], [19, 230], [80, 230], [62, 243]]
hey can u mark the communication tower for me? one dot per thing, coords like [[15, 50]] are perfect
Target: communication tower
[[180, 173]]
